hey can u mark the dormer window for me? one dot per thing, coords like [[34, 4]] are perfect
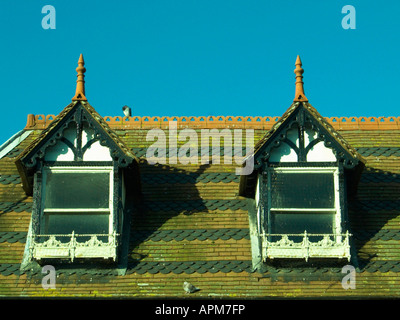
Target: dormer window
[[77, 208], [304, 172], [78, 172]]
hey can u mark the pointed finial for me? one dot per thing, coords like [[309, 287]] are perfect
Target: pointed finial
[[80, 82], [299, 94]]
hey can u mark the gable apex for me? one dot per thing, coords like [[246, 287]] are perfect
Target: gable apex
[[82, 115], [304, 114]]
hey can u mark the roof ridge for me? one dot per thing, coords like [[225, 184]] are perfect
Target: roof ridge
[[42, 121]]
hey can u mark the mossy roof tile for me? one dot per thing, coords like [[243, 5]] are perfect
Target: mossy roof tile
[[214, 220]]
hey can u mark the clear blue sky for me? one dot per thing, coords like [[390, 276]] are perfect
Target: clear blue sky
[[205, 57]]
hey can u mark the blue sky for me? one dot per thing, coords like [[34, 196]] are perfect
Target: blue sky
[[198, 58]]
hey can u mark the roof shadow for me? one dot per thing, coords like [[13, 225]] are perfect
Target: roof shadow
[[159, 202], [376, 203]]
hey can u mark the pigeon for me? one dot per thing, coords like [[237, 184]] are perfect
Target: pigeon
[[127, 111], [189, 288]]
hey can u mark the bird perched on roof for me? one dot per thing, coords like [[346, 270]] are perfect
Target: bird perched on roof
[[127, 111], [189, 288]]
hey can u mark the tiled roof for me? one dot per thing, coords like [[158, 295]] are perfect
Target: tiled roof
[[192, 225]]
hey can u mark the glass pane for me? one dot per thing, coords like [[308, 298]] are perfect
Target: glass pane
[[317, 223], [77, 190], [302, 190], [80, 223]]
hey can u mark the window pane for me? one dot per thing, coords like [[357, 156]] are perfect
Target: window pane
[[302, 190], [80, 223], [77, 190], [315, 222]]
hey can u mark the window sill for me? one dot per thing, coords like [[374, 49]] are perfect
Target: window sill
[[92, 248], [325, 248]]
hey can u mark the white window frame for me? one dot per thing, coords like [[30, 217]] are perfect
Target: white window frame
[[53, 248], [305, 170], [76, 169], [339, 247]]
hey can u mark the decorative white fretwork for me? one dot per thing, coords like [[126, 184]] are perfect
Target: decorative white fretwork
[[331, 246], [92, 248]]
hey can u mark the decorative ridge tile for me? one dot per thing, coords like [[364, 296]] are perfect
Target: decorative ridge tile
[[256, 122]]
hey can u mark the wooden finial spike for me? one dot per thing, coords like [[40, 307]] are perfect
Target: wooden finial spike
[[80, 82], [299, 94]]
